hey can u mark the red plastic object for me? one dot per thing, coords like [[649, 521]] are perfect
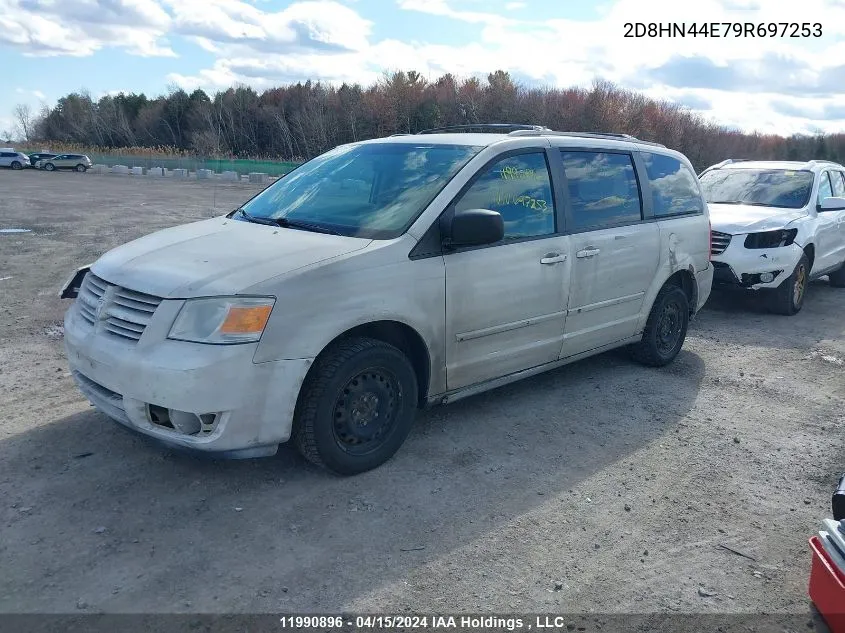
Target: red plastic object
[[827, 587]]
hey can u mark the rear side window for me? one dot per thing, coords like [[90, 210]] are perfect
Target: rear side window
[[825, 190], [519, 188], [674, 190], [603, 189], [7, 154], [838, 184]]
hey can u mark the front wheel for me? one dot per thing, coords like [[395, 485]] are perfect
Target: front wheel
[[788, 297], [357, 406], [665, 330], [49, 167], [16, 165], [81, 168]]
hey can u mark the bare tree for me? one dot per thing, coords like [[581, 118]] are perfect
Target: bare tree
[[23, 115]]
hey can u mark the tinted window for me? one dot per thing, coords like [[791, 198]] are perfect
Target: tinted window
[[673, 187], [825, 190], [789, 189], [373, 190], [603, 188], [838, 184], [6, 154], [519, 188]]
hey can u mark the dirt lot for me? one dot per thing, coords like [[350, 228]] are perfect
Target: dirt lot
[[601, 487]]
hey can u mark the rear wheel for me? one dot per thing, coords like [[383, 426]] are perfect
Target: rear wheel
[[16, 165], [837, 278], [81, 168], [357, 406], [788, 297], [50, 167], [665, 330]]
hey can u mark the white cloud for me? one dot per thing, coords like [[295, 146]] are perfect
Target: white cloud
[[762, 83], [78, 28]]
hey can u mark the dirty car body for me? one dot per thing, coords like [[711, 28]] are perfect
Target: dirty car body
[[445, 263]]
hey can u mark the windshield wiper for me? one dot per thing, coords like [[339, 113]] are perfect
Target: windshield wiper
[[745, 202], [254, 219], [305, 226]]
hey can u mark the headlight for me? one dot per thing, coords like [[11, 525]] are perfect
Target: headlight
[[222, 320], [771, 239]]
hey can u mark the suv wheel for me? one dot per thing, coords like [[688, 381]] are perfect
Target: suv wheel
[[837, 278], [16, 165], [49, 167], [788, 297], [665, 330], [357, 406], [81, 168]]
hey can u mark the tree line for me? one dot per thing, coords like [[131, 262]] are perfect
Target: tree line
[[299, 121]]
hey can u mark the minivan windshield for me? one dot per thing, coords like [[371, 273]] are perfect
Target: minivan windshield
[[788, 189], [372, 190]]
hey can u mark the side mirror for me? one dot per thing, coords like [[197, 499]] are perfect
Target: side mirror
[[475, 227], [832, 204]]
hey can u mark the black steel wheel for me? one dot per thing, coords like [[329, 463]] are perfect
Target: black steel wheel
[[665, 330], [357, 406]]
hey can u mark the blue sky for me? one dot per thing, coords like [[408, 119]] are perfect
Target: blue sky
[[51, 47]]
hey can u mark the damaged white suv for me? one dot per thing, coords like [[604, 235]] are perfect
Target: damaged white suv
[[776, 226]]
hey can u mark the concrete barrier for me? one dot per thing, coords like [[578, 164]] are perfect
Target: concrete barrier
[[137, 171], [230, 175], [119, 169], [100, 169], [155, 171], [258, 177], [180, 173], [204, 174]]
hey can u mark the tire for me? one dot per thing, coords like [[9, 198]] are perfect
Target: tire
[[788, 297], [837, 278], [16, 165], [81, 168], [50, 167], [665, 330], [350, 386]]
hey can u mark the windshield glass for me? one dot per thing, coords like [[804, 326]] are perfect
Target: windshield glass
[[763, 187], [374, 190]]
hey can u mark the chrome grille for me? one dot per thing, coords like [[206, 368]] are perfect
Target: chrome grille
[[122, 312], [719, 242]]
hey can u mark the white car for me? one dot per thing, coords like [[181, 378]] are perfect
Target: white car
[[388, 275], [776, 226], [13, 159]]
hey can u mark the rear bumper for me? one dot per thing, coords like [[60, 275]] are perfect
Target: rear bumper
[[704, 280]]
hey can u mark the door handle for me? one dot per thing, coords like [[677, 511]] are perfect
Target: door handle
[[587, 252], [553, 258]]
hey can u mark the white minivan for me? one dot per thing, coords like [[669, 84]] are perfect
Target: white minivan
[[388, 275]]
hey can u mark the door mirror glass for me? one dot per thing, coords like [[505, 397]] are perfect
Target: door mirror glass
[[832, 203], [475, 227]]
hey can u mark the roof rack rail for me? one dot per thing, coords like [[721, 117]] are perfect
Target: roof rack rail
[[604, 135], [821, 162], [727, 161], [485, 127]]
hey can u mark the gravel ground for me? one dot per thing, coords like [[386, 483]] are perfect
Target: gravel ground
[[601, 487]]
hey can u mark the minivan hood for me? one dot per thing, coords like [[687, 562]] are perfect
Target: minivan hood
[[744, 218], [216, 257]]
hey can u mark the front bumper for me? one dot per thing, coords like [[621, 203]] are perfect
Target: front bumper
[[740, 266], [224, 403]]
